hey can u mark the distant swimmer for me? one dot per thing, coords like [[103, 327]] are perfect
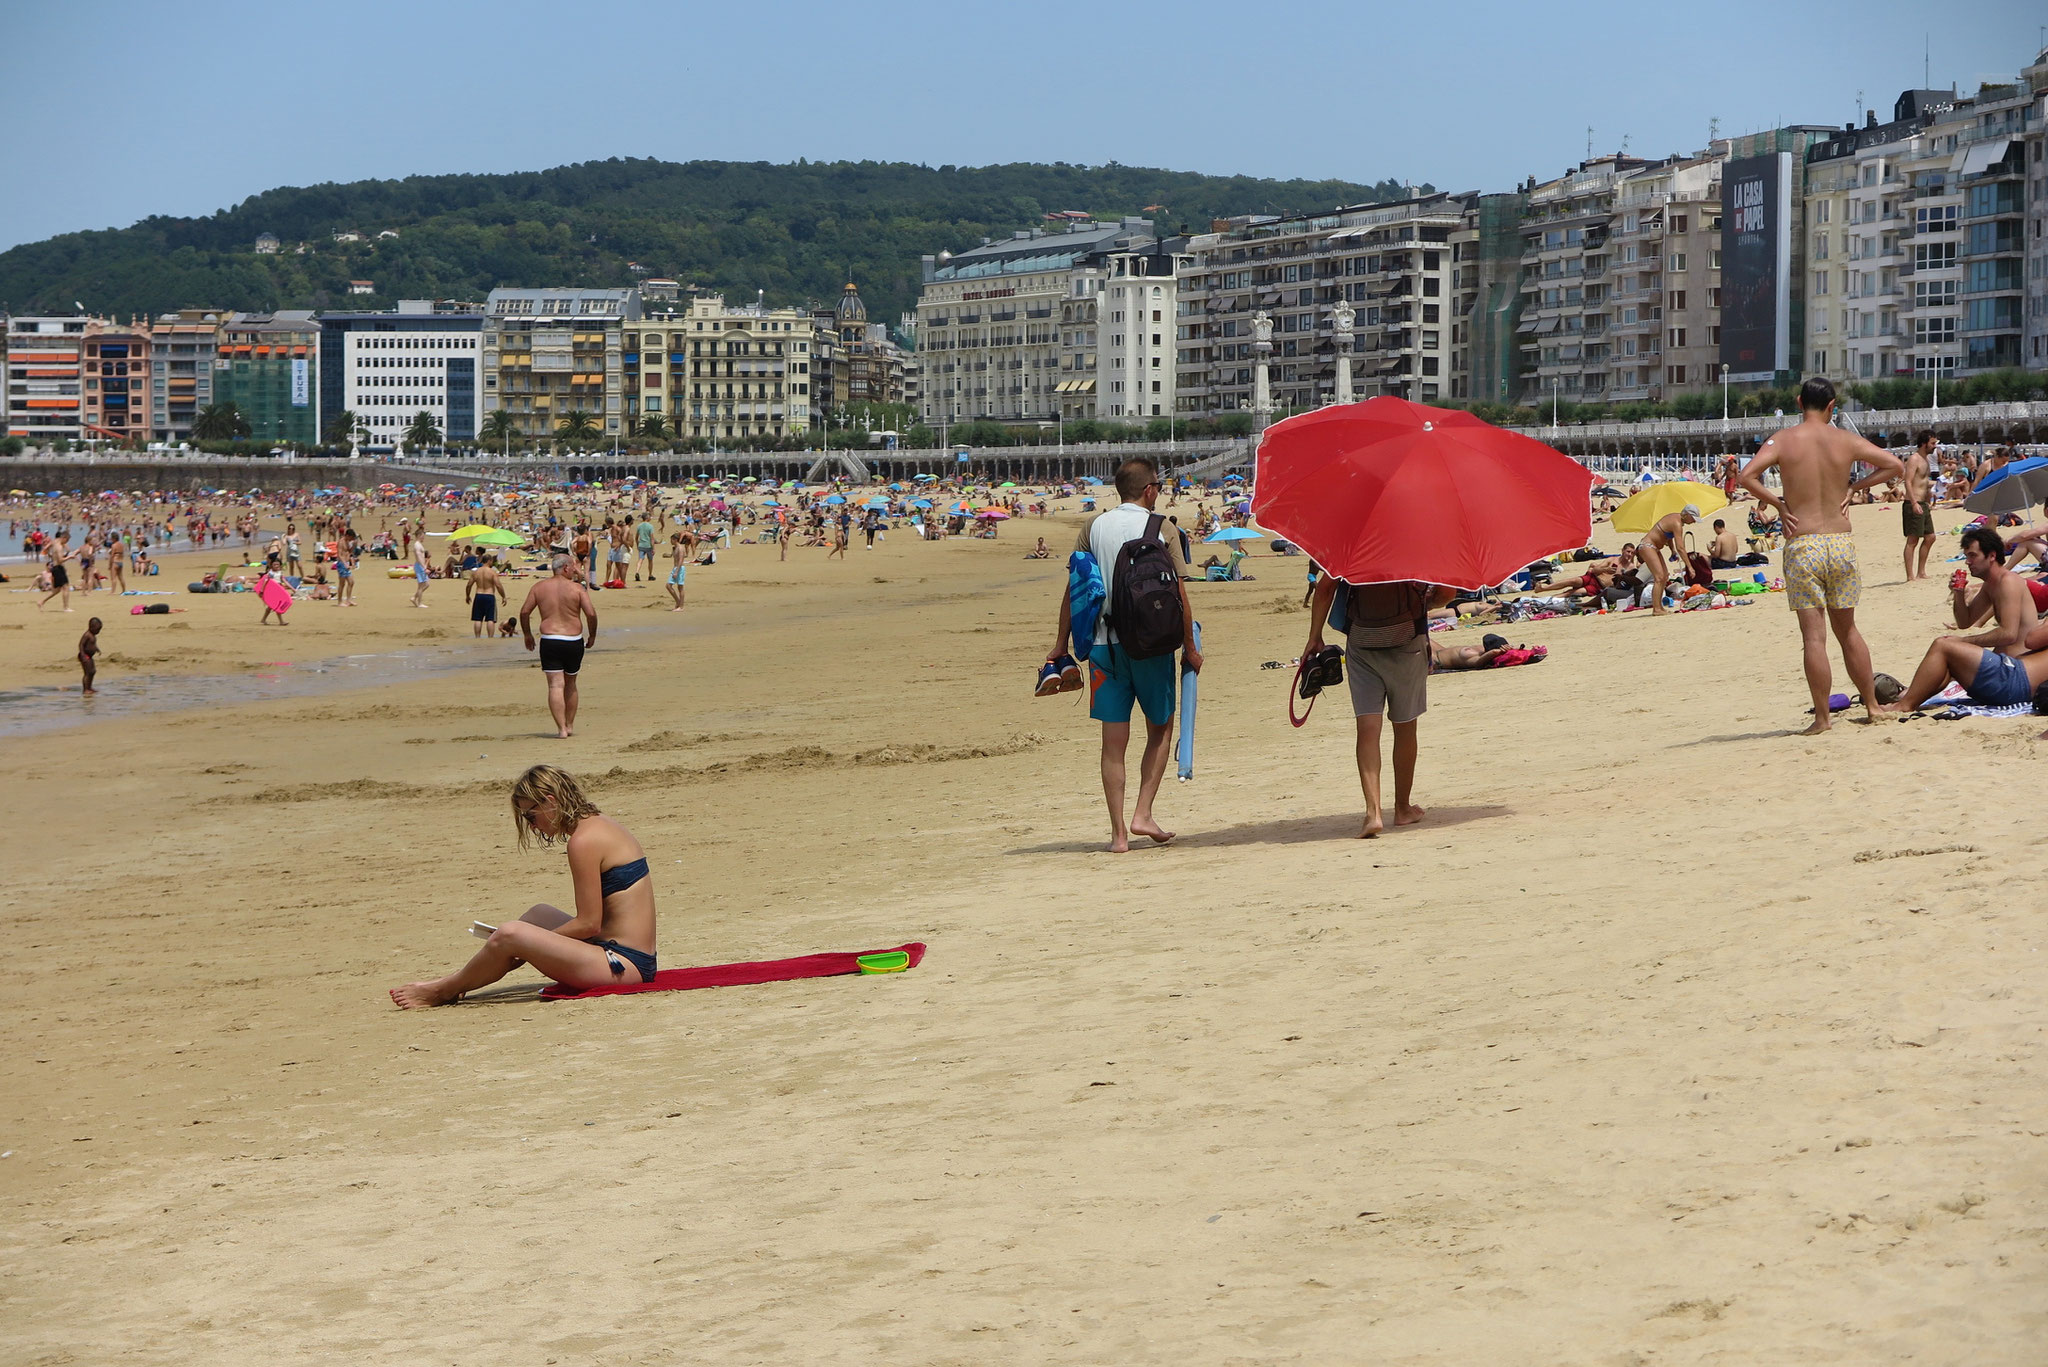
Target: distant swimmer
[[564, 607], [1822, 583], [483, 592], [608, 942]]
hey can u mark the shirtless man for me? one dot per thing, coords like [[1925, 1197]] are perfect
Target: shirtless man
[[483, 591], [618, 556], [1443, 656], [1995, 666], [422, 570], [1721, 554], [564, 606], [1814, 460], [55, 556], [1665, 534], [1916, 514]]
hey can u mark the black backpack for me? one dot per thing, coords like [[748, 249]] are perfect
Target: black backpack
[[1144, 607]]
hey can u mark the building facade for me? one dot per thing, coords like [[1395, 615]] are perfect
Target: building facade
[[45, 379], [1007, 330], [117, 381], [183, 347], [387, 368], [266, 367], [1393, 264], [1136, 374], [723, 372], [549, 353]]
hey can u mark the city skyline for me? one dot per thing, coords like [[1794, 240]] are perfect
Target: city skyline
[[397, 91]]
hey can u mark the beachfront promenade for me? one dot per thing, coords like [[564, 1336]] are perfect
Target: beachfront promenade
[[1603, 446]]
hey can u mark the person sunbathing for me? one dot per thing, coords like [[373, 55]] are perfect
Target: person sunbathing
[[1444, 656], [608, 942], [2000, 667]]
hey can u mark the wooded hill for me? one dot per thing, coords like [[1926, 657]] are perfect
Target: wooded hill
[[797, 232]]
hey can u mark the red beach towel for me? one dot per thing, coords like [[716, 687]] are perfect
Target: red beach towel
[[739, 975]]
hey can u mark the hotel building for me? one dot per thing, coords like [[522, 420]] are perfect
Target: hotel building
[[551, 352], [387, 368]]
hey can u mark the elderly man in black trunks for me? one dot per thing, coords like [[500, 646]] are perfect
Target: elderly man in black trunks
[[564, 606]]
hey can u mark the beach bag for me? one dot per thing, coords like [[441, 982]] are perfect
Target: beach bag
[[1144, 607], [1381, 616]]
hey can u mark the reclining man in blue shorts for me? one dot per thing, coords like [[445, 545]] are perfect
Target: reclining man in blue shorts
[[2000, 667]]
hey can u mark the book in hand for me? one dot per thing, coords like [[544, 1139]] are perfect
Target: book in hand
[[482, 931]]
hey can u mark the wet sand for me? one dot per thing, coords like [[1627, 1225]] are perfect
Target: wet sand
[[1667, 1037]]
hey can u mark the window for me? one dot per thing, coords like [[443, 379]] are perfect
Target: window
[[1934, 293], [1821, 211], [1677, 300], [1939, 218], [1677, 261], [1429, 341], [1934, 256], [1675, 374], [1933, 331], [1677, 336]]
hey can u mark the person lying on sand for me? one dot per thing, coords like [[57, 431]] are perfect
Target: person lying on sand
[[1445, 656], [608, 942]]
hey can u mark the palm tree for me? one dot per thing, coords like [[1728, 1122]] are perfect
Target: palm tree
[[499, 427], [423, 431], [343, 428], [576, 425], [654, 425], [220, 422]]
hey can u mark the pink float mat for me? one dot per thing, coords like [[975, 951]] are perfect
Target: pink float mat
[[275, 596], [739, 975]]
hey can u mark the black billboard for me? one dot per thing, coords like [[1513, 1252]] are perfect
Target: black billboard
[[1756, 266]]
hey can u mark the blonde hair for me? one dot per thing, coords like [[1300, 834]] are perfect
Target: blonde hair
[[546, 783]]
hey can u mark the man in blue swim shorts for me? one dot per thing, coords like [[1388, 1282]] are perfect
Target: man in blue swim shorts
[[1119, 682], [2002, 667]]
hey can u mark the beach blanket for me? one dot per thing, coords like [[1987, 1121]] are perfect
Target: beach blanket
[[1085, 595], [739, 975], [1954, 701], [1520, 655]]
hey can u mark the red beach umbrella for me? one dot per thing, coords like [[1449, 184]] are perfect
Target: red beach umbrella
[[1387, 490]]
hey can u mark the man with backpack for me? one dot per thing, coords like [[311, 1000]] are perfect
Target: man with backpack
[[1145, 618], [1387, 660]]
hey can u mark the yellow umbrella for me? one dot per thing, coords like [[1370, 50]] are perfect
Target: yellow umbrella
[[1643, 510], [473, 529]]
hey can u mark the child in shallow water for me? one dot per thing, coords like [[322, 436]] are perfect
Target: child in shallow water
[[608, 942]]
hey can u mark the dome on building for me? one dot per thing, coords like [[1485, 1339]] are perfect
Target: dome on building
[[851, 309]]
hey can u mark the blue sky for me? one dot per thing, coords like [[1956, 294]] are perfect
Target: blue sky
[[187, 108]]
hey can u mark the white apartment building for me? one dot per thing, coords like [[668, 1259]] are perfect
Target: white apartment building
[[1393, 263], [1010, 330], [45, 403], [1134, 295], [387, 368], [722, 372]]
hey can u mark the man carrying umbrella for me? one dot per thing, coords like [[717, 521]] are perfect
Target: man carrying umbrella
[[1815, 459], [1386, 661]]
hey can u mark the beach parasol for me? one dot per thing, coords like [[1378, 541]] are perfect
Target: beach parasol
[[1388, 490], [2011, 488], [473, 529], [1233, 534], [499, 537], [1642, 510], [920, 503], [835, 498], [993, 515]]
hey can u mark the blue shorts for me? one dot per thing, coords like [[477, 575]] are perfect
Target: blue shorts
[[677, 576], [1116, 681], [2001, 681]]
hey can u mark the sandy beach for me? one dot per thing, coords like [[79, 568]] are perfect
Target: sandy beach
[[1667, 1037]]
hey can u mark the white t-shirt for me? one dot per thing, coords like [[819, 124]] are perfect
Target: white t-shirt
[[1105, 537]]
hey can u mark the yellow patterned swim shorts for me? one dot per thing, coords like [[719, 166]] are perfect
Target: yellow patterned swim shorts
[[1820, 571]]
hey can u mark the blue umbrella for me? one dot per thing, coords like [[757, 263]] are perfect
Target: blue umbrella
[[1087, 479], [2011, 488], [881, 503], [897, 488], [924, 479], [920, 503], [835, 498], [770, 503], [1233, 534]]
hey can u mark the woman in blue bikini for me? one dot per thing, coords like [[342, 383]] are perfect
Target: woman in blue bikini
[[609, 942]]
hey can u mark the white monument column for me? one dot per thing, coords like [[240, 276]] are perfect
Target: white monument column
[[1343, 316], [1262, 353]]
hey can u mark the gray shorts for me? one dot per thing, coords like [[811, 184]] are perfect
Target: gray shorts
[[1394, 681]]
